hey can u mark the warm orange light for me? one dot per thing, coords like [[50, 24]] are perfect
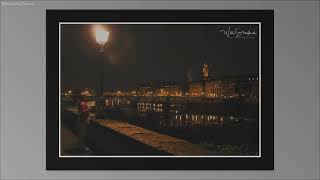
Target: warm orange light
[[101, 35]]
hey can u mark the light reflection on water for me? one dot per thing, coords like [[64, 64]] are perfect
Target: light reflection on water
[[221, 131], [176, 116]]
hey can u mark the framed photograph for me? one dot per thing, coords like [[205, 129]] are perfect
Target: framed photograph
[[159, 90]]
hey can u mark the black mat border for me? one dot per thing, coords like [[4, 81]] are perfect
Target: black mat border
[[266, 162]]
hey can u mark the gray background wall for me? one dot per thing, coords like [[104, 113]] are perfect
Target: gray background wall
[[296, 90]]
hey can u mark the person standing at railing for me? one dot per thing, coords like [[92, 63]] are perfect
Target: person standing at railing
[[83, 110]]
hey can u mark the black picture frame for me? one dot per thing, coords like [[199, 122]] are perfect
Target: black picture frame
[[265, 162]]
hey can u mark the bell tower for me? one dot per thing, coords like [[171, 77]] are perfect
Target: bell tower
[[205, 71]]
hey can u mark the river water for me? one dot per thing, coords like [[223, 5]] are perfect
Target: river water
[[225, 128]]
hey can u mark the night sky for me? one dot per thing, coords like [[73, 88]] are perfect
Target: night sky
[[137, 54]]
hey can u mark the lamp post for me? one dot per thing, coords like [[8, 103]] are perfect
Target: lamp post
[[101, 38]]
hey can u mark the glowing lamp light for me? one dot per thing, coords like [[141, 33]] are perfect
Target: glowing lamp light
[[101, 36]]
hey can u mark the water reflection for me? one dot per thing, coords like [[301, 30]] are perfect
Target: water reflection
[[209, 127], [176, 118]]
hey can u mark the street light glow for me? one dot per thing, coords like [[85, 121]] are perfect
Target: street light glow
[[101, 35]]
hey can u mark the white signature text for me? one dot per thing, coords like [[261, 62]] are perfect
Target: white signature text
[[238, 33]]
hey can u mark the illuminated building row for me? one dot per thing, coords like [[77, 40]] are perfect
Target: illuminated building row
[[76, 92], [227, 88]]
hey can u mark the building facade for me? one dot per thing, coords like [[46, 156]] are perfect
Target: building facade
[[196, 89]]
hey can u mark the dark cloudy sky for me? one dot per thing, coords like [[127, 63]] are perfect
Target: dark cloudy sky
[[138, 54]]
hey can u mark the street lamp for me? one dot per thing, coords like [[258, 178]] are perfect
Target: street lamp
[[101, 38]]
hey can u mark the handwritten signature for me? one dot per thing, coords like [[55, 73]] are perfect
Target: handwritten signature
[[238, 33]]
